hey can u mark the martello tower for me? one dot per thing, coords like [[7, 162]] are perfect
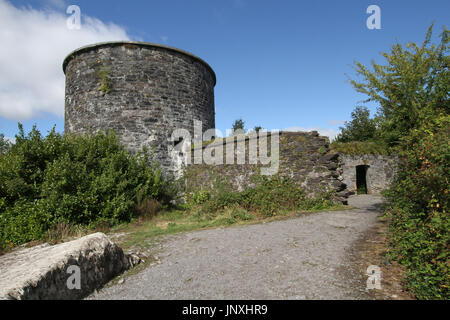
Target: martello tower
[[142, 91]]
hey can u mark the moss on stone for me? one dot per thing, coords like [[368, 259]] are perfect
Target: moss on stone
[[360, 148], [102, 74]]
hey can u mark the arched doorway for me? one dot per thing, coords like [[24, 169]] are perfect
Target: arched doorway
[[361, 179]]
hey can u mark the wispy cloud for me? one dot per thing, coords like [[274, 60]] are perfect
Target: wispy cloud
[[34, 44]]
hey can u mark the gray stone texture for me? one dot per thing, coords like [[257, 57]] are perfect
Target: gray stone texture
[[380, 173], [40, 272], [142, 91], [304, 157]]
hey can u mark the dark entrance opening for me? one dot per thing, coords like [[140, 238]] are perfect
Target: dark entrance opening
[[361, 181]]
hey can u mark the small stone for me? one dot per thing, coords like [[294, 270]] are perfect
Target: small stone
[[121, 281]]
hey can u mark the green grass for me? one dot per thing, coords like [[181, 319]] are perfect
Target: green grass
[[142, 233], [361, 148]]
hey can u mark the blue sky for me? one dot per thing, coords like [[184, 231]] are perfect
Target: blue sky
[[279, 64]]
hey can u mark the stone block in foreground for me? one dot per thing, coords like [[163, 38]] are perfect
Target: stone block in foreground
[[41, 272]]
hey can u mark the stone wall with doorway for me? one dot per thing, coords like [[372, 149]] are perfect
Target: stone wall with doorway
[[379, 171]]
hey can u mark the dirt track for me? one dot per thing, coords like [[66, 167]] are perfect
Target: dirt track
[[309, 257]]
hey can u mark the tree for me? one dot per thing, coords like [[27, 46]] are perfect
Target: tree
[[238, 125], [257, 128], [412, 90], [4, 144], [412, 87], [360, 128]]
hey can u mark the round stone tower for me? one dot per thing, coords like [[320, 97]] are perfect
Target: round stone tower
[[142, 91]]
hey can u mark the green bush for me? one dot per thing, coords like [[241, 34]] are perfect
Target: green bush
[[239, 213], [361, 147], [420, 224], [4, 144], [78, 180], [269, 195], [199, 197], [360, 128], [413, 119]]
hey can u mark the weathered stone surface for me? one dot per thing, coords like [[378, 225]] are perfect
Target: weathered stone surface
[[40, 272], [330, 157], [380, 173], [303, 157], [142, 91]]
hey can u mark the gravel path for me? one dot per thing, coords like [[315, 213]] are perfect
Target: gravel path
[[308, 257]]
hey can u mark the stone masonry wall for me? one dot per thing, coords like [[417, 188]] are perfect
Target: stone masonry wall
[[304, 157], [380, 173], [142, 91]]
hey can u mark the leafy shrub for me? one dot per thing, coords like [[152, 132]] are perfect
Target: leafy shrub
[[147, 208], [236, 212], [412, 90], [4, 144], [360, 128], [269, 195], [420, 224], [76, 180], [199, 197]]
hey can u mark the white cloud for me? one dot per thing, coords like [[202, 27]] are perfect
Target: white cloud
[[34, 44], [328, 132], [11, 140]]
